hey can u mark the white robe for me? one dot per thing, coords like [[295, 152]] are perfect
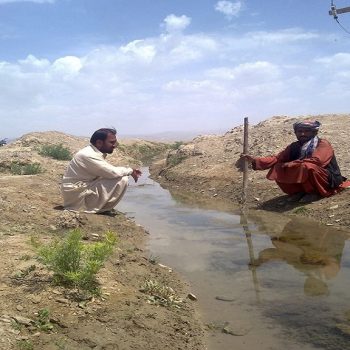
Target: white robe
[[91, 184]]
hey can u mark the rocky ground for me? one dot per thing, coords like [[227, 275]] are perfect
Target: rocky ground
[[122, 317], [206, 166]]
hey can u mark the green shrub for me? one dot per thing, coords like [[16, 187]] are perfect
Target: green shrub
[[58, 152], [25, 169], [76, 264], [174, 159], [176, 145]]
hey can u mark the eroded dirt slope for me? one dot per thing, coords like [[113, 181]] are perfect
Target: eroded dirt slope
[[206, 166]]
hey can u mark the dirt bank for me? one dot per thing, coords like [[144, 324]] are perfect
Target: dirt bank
[[123, 317], [206, 166]]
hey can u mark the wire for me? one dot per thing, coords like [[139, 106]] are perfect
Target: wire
[[341, 26]]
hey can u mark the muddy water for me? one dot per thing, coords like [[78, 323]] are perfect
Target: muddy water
[[262, 281]]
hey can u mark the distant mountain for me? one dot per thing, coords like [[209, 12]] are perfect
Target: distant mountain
[[171, 136]]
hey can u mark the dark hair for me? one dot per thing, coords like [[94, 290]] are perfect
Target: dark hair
[[101, 134]]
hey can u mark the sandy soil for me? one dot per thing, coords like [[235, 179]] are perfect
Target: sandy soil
[[206, 166], [122, 317]]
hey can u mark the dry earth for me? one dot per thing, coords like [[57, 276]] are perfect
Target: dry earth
[[122, 317], [206, 167]]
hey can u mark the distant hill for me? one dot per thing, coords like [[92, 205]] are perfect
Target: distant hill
[[172, 136]]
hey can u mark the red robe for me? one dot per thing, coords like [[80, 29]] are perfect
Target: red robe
[[307, 175]]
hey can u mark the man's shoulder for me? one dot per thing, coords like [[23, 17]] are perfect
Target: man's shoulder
[[87, 151], [324, 142]]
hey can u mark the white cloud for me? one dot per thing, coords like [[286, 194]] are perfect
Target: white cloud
[[35, 1], [140, 49], [68, 66], [176, 23], [158, 83], [255, 70], [228, 8], [283, 36], [339, 59]]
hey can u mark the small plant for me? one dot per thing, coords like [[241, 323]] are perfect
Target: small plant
[[300, 210], [15, 325], [174, 159], [25, 257], [24, 273], [153, 259], [58, 152], [25, 169], [43, 320], [25, 345], [3, 142], [176, 145], [76, 264], [160, 294]]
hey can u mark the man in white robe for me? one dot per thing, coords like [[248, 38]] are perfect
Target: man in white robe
[[90, 183]]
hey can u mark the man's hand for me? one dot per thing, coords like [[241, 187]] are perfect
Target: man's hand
[[136, 173], [247, 157]]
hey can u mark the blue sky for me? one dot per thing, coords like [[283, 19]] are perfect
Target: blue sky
[[148, 66]]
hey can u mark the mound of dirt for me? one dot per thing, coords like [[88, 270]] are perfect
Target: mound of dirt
[[206, 166], [122, 317]]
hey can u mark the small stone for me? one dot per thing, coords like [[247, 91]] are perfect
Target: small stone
[[57, 292], [35, 299], [19, 308], [215, 195], [192, 297], [334, 207], [62, 300], [237, 330], [223, 298], [23, 320], [257, 199], [53, 228]]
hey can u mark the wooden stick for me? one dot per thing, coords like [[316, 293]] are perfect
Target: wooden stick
[[245, 166]]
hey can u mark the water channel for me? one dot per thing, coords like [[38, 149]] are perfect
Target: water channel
[[275, 282]]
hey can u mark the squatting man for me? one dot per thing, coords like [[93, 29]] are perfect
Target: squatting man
[[307, 169], [90, 183]]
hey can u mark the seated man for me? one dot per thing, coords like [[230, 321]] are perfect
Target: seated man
[[307, 166], [90, 183]]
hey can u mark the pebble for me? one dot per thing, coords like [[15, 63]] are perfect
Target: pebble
[[23, 320], [191, 296], [62, 300], [35, 299], [334, 207], [223, 298], [237, 330], [19, 308]]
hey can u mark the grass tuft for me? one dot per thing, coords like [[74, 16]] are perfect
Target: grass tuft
[[160, 294], [58, 152], [25, 169]]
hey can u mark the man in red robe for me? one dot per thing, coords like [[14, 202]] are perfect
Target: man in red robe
[[307, 168]]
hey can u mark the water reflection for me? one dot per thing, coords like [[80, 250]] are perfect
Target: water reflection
[[287, 278], [315, 252]]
